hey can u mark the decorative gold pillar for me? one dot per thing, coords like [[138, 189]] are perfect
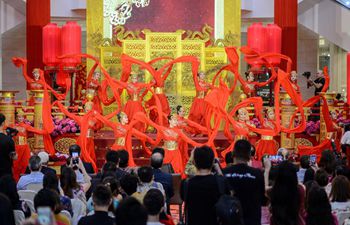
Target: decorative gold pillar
[[232, 31], [38, 121], [287, 111], [7, 106], [330, 101], [94, 29]]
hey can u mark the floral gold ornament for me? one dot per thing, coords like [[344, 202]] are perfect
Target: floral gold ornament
[[119, 12]]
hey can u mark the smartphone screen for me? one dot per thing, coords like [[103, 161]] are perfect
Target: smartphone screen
[[75, 154], [313, 159], [44, 216]]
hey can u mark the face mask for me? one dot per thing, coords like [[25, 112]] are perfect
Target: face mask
[[115, 203]]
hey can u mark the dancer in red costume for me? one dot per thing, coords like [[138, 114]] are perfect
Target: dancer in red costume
[[159, 77], [199, 106], [35, 85], [93, 88], [46, 105], [134, 104], [183, 125], [267, 145], [123, 132], [22, 147], [171, 137], [248, 88], [87, 124], [294, 79]]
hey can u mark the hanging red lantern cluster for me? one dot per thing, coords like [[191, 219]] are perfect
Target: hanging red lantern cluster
[[57, 42], [264, 40]]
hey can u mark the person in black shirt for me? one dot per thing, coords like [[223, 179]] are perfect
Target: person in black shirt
[[7, 150], [113, 156], [247, 183], [318, 83], [102, 199], [130, 211], [201, 192]]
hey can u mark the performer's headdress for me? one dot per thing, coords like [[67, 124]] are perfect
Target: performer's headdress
[[120, 114], [20, 112], [134, 75], [36, 70], [199, 72], [269, 109]]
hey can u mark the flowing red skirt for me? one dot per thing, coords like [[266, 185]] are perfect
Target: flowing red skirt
[[20, 165], [97, 106], [117, 147], [197, 112], [88, 154], [131, 108], [183, 147], [174, 157], [153, 114], [264, 147]]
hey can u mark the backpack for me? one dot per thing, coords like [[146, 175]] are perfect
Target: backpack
[[228, 208]]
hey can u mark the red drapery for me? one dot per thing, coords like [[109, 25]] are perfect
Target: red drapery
[[37, 16], [286, 16]]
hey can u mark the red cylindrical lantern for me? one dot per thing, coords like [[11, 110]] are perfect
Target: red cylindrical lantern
[[71, 43], [274, 41], [256, 39], [51, 44]]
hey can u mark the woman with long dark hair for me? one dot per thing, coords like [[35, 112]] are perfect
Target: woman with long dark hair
[[319, 211], [8, 188], [71, 188], [287, 197], [340, 193]]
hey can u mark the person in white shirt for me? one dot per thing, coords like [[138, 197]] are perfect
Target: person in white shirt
[[340, 194], [35, 176], [345, 139], [153, 202]]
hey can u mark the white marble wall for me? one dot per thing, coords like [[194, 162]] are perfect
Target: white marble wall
[[307, 58]]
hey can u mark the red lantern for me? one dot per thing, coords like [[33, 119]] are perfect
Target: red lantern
[[274, 41], [256, 38], [71, 43], [51, 44]]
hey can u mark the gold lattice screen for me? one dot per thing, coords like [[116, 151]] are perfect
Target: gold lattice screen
[[179, 86]]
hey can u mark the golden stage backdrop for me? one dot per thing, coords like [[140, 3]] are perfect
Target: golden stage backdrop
[[147, 45]]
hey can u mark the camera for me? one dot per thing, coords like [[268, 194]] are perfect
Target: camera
[[11, 131]]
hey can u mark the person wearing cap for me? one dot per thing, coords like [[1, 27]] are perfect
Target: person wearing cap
[[7, 150], [44, 159], [35, 176]]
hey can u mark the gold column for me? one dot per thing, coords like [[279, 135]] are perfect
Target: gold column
[[330, 101], [7, 106], [38, 121], [232, 31], [287, 111], [232, 19], [94, 28]]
